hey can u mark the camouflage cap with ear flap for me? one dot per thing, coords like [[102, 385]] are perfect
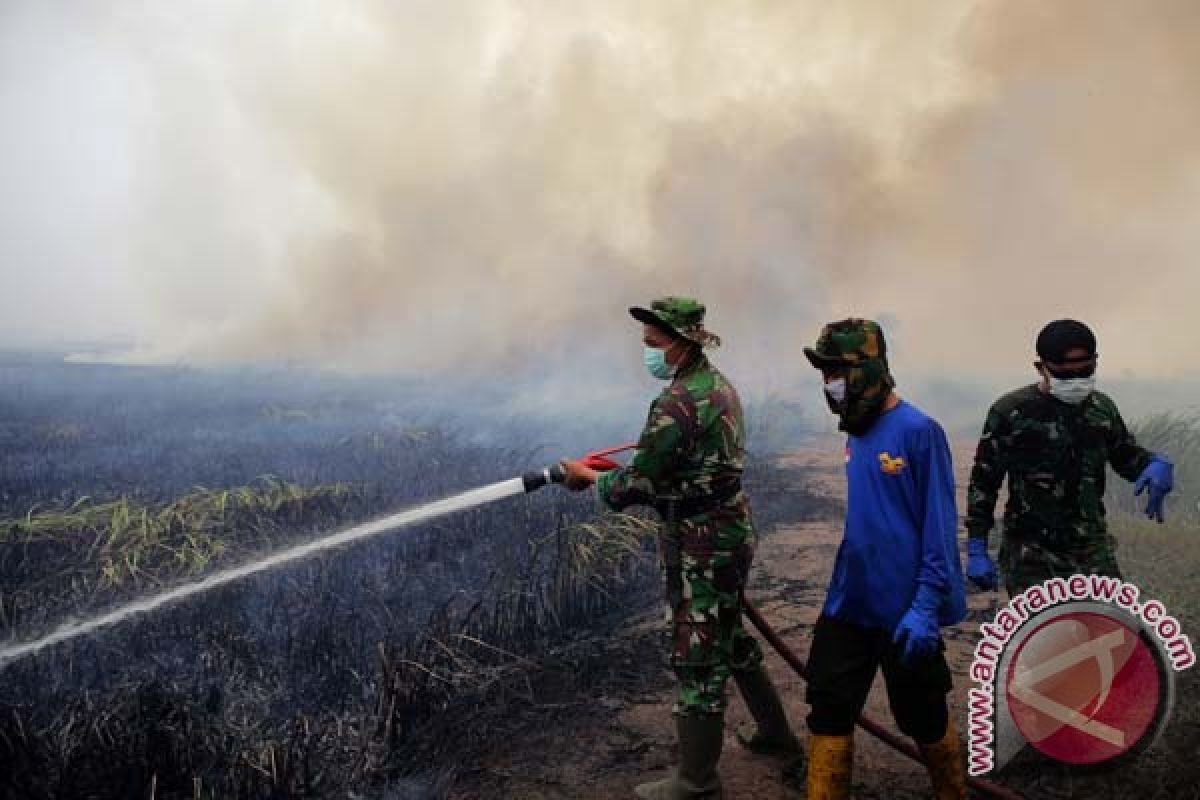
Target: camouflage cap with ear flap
[[682, 317], [848, 343], [856, 346]]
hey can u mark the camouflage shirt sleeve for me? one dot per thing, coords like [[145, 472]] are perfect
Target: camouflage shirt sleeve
[[987, 475], [1127, 457], [661, 447]]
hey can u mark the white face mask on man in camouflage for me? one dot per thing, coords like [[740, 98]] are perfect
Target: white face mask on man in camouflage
[[1067, 361], [1071, 390]]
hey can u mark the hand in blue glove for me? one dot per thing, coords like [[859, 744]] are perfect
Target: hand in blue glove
[[1159, 478], [981, 570], [918, 628]]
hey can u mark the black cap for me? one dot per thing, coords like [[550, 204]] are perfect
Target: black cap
[[1063, 335]]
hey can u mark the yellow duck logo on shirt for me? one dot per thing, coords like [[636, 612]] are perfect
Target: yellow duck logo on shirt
[[891, 466]]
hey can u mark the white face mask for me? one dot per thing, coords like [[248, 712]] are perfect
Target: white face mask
[[1073, 390], [836, 389]]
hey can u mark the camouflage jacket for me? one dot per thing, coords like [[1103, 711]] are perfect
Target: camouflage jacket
[[693, 446], [1054, 455]]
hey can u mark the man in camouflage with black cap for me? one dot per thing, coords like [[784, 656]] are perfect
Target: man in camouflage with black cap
[[688, 465], [897, 578], [1054, 439]]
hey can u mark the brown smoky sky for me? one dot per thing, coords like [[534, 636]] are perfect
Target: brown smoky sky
[[416, 186]]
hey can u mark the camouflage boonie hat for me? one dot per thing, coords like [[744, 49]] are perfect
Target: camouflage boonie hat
[[682, 317], [848, 343]]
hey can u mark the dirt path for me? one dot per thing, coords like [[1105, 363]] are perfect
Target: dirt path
[[605, 755]]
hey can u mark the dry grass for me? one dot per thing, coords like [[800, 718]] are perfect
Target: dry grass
[[129, 542], [433, 670], [1177, 435], [69, 561], [1163, 559]]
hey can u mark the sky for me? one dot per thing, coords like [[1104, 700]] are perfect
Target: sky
[[482, 188]]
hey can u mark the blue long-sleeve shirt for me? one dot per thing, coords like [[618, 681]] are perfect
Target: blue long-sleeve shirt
[[901, 523]]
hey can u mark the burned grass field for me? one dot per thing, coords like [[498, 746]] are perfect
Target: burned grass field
[[390, 668], [378, 670]]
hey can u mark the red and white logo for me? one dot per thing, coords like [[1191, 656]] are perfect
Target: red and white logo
[[1080, 668], [1085, 687]]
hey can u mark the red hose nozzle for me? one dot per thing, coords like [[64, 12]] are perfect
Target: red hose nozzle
[[597, 459]]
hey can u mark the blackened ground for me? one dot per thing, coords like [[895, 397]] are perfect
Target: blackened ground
[[363, 673], [602, 742], [385, 670]]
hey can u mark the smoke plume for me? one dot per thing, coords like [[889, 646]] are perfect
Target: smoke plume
[[433, 187]]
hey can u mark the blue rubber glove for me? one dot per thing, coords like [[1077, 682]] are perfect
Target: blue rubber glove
[[918, 628], [1159, 478], [981, 570]]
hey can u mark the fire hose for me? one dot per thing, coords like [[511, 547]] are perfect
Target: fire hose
[[600, 460]]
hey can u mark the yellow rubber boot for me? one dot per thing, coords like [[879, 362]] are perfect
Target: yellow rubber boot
[[946, 765], [830, 762]]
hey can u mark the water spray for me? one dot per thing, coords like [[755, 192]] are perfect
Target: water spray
[[530, 482]]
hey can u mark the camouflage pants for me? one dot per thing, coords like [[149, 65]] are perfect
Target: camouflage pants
[[708, 641], [1027, 564]]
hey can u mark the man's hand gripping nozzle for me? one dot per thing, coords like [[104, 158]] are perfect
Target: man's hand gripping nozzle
[[554, 473]]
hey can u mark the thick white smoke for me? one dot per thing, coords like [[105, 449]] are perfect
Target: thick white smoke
[[410, 186]]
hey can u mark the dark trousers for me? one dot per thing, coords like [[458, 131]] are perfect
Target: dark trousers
[[841, 668]]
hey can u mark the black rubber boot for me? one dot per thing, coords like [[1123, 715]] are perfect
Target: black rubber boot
[[700, 738], [771, 734]]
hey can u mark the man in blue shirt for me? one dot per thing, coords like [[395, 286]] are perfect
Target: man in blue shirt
[[897, 578]]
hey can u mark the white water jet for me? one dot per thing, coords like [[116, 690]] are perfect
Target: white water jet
[[459, 502]]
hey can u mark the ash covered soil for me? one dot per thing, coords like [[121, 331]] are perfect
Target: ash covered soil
[[621, 733]]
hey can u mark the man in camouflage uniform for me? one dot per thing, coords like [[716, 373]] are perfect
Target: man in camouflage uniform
[[688, 465], [1053, 440]]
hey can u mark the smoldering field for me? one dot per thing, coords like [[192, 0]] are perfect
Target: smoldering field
[[386, 669], [381, 669], [469, 195]]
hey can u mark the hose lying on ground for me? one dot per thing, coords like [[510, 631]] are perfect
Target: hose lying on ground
[[983, 787]]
